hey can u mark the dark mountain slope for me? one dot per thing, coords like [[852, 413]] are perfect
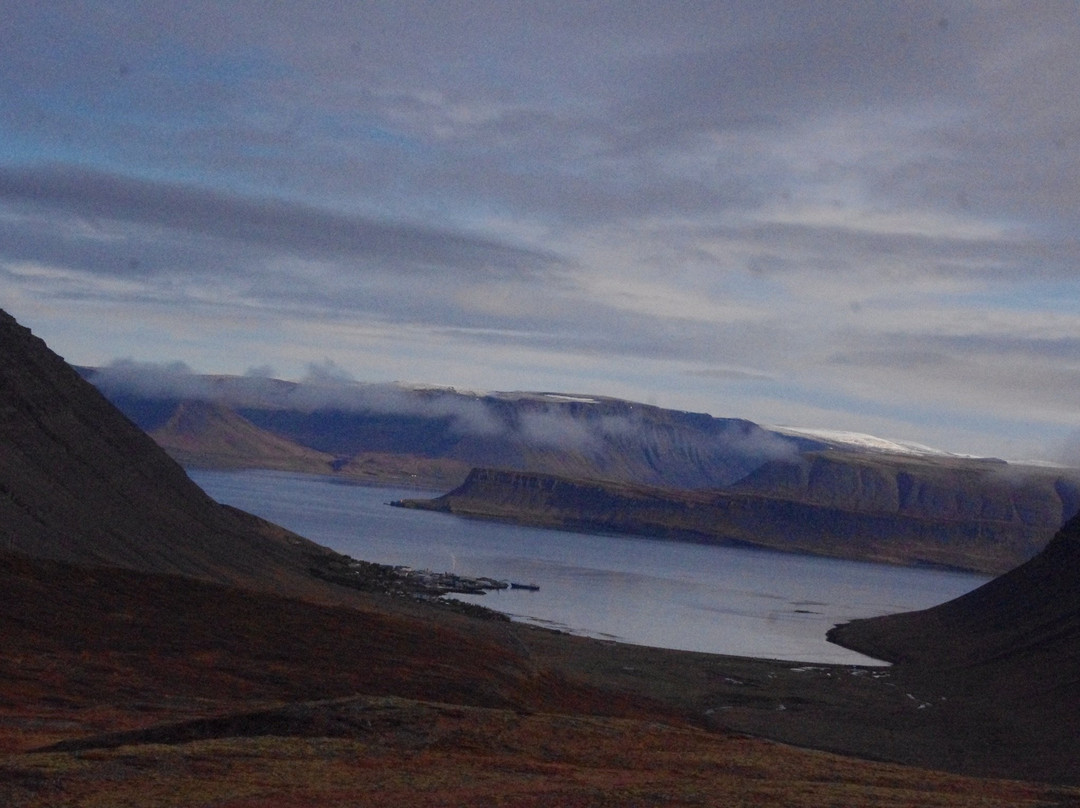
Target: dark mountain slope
[[1031, 611], [79, 482], [138, 646], [1000, 665]]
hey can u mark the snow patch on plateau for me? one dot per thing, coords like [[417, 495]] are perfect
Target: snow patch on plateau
[[864, 441]]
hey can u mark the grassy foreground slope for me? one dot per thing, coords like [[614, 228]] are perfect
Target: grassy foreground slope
[[127, 689]]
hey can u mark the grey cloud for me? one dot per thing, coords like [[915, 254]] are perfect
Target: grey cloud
[[112, 248], [553, 428], [1030, 380], [1042, 348], [604, 331], [1069, 451], [732, 374], [1005, 149], [625, 85], [982, 99], [600, 187], [269, 224], [780, 248], [371, 162], [620, 80], [152, 379], [914, 349], [327, 372], [807, 59], [895, 358]]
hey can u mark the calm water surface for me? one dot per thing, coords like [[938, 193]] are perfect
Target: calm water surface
[[650, 592]]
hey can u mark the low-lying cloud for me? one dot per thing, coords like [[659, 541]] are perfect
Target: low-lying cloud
[[543, 422]]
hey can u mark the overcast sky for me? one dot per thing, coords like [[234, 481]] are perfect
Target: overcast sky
[[853, 215]]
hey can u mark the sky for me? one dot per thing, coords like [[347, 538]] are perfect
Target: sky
[[846, 215]]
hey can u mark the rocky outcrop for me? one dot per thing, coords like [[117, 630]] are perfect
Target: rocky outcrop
[[936, 487], [1018, 505]]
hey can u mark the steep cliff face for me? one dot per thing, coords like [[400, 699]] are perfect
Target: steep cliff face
[[1026, 503], [621, 441], [731, 516]]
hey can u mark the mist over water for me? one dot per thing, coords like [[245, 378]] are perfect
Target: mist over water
[[644, 591]]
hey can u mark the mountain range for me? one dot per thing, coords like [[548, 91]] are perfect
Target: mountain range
[[619, 465]]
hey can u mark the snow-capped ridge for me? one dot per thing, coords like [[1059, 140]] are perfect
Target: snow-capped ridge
[[861, 440]]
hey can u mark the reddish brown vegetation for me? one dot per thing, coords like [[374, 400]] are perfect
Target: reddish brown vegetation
[[163, 691]]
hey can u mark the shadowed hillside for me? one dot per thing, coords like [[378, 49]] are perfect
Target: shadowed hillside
[[1015, 618], [1009, 650], [80, 482], [201, 431]]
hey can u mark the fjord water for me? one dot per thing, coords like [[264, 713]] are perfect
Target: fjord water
[[693, 597]]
